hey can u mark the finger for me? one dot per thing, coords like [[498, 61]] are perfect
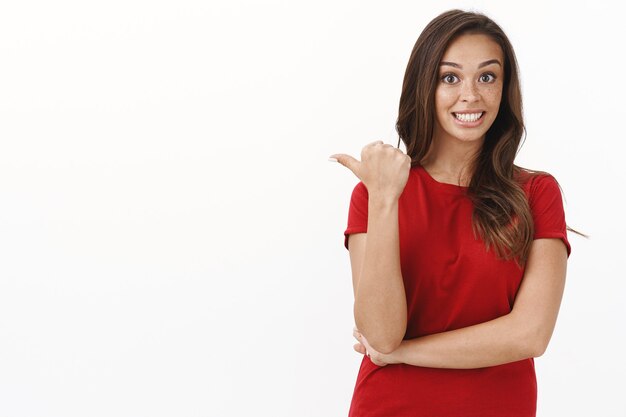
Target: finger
[[399, 150], [359, 348], [358, 336], [349, 162], [362, 339], [377, 363], [365, 343], [374, 143]]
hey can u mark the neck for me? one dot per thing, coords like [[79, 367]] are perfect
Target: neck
[[450, 159]]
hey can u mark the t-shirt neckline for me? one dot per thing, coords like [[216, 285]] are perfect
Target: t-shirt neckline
[[443, 186]]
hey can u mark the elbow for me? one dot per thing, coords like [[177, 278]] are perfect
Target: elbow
[[539, 347], [385, 346], [383, 342], [384, 336], [383, 339], [536, 343], [531, 337]]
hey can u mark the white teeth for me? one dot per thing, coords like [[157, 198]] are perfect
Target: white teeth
[[468, 117]]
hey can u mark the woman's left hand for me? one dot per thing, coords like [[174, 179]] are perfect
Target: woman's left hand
[[363, 347]]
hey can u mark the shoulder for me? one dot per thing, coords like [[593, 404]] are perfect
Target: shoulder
[[359, 200], [537, 183], [545, 199], [359, 191]]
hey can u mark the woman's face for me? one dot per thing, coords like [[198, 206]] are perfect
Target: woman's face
[[469, 88]]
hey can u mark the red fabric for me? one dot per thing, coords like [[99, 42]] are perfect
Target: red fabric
[[451, 281]]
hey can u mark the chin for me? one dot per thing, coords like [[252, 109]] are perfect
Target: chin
[[472, 138], [468, 136]]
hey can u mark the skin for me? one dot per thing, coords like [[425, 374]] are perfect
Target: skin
[[472, 86], [380, 304], [379, 298]]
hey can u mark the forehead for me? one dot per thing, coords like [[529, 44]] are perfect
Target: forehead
[[470, 49]]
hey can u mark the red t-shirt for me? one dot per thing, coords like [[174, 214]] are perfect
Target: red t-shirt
[[451, 281]]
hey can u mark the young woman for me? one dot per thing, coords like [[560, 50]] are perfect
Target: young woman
[[458, 255]]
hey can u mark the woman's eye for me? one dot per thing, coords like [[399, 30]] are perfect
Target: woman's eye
[[449, 78], [486, 78]]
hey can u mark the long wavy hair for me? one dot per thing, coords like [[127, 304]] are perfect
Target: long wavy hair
[[502, 215]]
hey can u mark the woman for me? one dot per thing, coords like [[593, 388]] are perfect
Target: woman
[[458, 255]]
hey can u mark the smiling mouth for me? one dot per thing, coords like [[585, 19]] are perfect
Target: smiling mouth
[[468, 117]]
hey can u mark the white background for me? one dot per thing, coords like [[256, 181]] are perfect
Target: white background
[[171, 232]]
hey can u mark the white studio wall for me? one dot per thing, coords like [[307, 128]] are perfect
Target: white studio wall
[[171, 232]]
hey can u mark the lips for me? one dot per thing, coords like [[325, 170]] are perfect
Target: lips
[[469, 118]]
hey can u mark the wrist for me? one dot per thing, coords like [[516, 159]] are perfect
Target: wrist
[[395, 356], [382, 199]]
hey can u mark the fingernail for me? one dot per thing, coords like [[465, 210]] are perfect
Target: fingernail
[[331, 159]]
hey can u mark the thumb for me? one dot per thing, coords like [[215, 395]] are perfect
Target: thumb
[[347, 161]]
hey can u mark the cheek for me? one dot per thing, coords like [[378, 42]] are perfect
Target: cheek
[[493, 95], [444, 99]]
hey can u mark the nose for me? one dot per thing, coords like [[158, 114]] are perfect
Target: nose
[[469, 92]]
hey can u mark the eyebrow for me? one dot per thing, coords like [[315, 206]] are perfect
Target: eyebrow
[[483, 64]]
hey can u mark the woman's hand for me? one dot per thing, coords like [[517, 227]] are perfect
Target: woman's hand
[[383, 169], [377, 358]]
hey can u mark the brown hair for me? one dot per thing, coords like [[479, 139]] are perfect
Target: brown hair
[[502, 214]]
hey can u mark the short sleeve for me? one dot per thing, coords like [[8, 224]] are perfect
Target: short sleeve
[[357, 213], [546, 204]]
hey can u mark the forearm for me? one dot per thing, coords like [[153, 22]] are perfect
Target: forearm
[[502, 340], [380, 309]]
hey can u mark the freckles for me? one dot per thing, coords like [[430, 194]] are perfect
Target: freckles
[[493, 92], [445, 95]]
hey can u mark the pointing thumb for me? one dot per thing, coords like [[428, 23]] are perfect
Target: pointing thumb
[[346, 160]]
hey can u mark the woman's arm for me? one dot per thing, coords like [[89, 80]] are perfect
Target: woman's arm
[[521, 334], [380, 309], [379, 299]]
